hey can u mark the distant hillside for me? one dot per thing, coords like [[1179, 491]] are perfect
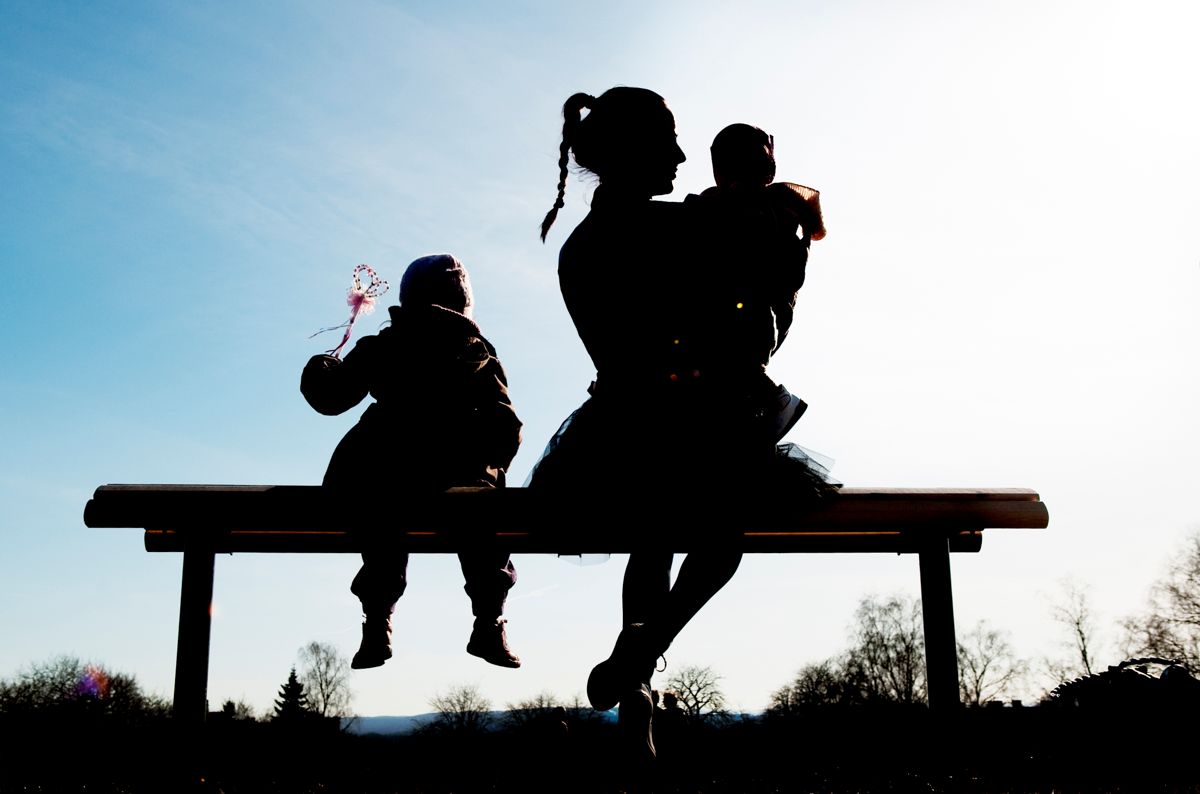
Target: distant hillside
[[388, 725], [362, 726], [394, 725]]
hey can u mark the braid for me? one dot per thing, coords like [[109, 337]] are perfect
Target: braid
[[571, 113]]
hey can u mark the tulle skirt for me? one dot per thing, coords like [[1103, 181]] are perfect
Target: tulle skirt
[[600, 445]]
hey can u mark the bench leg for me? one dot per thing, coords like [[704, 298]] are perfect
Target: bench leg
[[195, 626], [941, 647]]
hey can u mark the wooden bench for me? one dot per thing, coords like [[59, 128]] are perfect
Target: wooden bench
[[204, 520]]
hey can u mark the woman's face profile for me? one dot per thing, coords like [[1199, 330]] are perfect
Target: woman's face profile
[[662, 154], [629, 142]]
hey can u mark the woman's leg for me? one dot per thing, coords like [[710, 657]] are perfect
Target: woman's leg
[[701, 575], [663, 609], [646, 586], [644, 595]]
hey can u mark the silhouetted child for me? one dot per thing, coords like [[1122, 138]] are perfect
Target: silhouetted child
[[743, 160], [441, 419], [669, 726]]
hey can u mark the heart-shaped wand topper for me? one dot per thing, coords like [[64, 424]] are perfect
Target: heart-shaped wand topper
[[361, 300]]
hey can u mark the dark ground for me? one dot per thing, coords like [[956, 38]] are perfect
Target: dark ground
[[832, 750]]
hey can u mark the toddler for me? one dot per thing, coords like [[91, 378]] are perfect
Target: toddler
[[743, 161], [441, 418]]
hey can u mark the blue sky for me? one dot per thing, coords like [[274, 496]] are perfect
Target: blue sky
[[1007, 295]]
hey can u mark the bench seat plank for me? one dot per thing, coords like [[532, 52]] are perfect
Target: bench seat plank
[[541, 522]]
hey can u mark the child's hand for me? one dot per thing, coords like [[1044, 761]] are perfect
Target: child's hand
[[329, 386], [802, 205], [322, 362]]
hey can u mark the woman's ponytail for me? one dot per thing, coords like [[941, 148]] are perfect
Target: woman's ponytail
[[572, 111]]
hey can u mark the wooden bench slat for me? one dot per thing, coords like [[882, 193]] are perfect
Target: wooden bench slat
[[990, 494], [470, 514], [333, 542]]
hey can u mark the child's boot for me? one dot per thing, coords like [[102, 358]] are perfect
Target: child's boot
[[786, 409], [490, 643], [376, 646]]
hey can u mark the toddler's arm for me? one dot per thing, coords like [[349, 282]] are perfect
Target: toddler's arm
[[497, 425], [332, 386], [799, 205]]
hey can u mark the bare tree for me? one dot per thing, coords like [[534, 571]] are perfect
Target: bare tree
[[1073, 611], [698, 691], [820, 684], [325, 674], [1170, 626], [886, 662], [987, 666], [537, 709], [239, 711], [463, 709], [579, 710], [69, 686], [45, 684]]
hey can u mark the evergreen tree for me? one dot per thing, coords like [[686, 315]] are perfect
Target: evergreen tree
[[292, 703]]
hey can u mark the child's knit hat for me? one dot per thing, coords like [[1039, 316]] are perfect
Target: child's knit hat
[[439, 279]]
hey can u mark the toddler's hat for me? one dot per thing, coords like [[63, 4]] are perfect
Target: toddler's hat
[[439, 279]]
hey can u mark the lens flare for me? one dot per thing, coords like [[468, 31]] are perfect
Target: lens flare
[[93, 683]]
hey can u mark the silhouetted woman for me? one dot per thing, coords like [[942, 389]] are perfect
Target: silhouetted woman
[[674, 331]]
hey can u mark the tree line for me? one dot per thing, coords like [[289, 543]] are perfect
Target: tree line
[[66, 687], [884, 663]]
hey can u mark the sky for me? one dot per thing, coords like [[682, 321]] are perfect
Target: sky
[[1007, 297]]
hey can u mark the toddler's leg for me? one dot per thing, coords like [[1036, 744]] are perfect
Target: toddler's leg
[[489, 577], [378, 584], [381, 580]]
